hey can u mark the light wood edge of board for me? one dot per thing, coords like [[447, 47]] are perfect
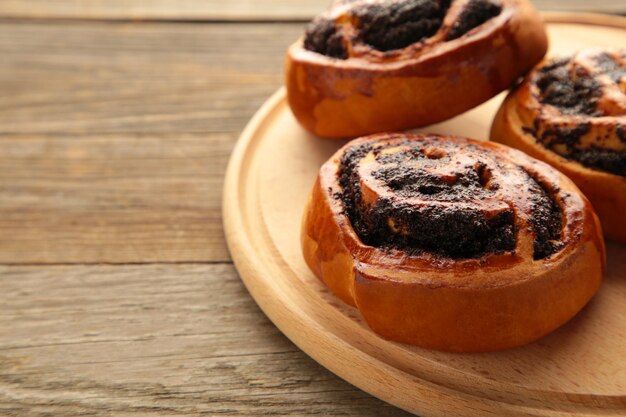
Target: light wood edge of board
[[380, 379], [593, 19]]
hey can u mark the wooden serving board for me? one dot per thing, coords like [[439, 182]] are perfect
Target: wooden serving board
[[580, 369]]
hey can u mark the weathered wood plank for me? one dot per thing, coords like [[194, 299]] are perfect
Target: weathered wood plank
[[102, 196], [153, 340], [236, 10], [137, 77], [112, 198]]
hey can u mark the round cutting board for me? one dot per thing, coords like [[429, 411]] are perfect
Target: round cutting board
[[580, 369]]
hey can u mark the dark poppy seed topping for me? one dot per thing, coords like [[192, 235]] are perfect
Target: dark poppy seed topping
[[434, 196]]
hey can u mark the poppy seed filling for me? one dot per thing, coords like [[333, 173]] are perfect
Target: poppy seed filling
[[321, 36], [445, 222], [393, 25], [390, 25], [576, 91]]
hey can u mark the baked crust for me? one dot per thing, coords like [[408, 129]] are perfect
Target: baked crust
[[426, 82], [492, 300], [557, 136]]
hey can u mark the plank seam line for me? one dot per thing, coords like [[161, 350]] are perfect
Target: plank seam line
[[76, 133], [149, 263], [17, 18]]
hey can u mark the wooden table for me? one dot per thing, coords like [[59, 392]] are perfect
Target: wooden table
[[118, 295]]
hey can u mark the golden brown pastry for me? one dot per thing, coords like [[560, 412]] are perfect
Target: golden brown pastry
[[369, 66], [571, 113], [452, 243]]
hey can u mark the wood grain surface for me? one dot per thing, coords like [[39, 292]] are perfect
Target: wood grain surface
[[154, 340], [111, 130], [118, 294], [235, 10], [123, 198], [105, 77]]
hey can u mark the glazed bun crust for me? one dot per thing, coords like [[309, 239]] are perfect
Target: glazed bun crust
[[460, 62], [484, 248], [571, 113]]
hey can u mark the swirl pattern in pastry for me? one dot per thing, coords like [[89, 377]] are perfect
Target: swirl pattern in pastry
[[379, 29], [367, 66], [452, 243], [571, 113]]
